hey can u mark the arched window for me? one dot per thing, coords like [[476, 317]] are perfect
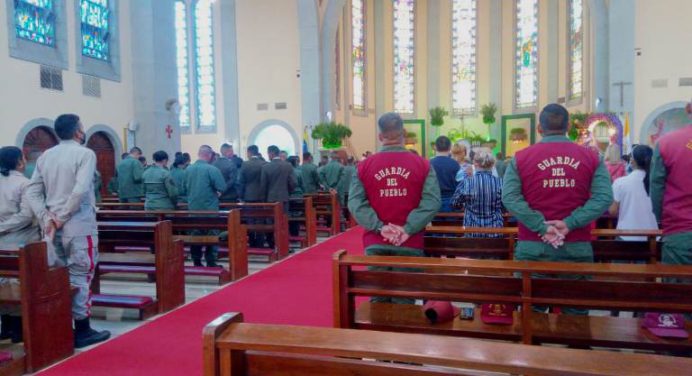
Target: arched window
[[204, 58], [95, 23], [275, 134], [195, 64], [34, 20], [526, 54], [464, 56], [358, 38], [182, 62], [576, 50], [404, 53]]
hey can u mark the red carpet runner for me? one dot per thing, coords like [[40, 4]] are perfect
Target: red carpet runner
[[296, 291]]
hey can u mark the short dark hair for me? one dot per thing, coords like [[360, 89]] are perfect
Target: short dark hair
[[160, 156], [307, 155], [66, 126], [390, 122], [9, 159], [554, 118], [293, 160], [124, 155], [443, 143], [186, 157], [253, 149], [143, 159], [273, 149], [136, 149], [226, 146]]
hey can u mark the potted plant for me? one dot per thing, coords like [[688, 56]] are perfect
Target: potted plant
[[490, 144], [488, 113], [411, 138], [437, 116], [331, 134], [517, 135]]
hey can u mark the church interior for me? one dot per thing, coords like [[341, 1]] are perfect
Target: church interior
[[298, 289]]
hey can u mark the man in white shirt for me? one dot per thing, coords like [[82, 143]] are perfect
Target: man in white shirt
[[62, 188]]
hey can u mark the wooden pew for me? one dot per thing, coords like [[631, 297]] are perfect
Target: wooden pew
[[491, 281], [327, 206], [606, 246], [166, 264], [45, 298], [250, 213], [308, 220], [457, 219], [183, 221], [231, 347]]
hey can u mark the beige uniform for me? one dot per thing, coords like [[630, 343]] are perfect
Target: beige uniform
[[63, 183], [17, 226]]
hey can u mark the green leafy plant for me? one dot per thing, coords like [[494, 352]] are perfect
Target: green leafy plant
[[437, 116], [517, 134], [577, 120], [488, 113], [331, 134]]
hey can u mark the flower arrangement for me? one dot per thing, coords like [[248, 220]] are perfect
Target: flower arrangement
[[517, 135], [437, 116], [331, 134]]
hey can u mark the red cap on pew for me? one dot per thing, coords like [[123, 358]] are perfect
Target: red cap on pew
[[439, 311], [497, 313], [665, 324]]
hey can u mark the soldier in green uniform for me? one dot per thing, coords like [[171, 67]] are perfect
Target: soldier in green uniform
[[345, 183], [204, 184], [298, 190], [250, 190], [394, 194], [182, 160], [332, 173], [98, 183], [671, 195], [556, 189], [160, 192], [311, 180], [130, 172], [229, 171]]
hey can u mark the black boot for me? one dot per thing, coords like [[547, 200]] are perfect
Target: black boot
[[5, 325], [85, 336], [16, 329]]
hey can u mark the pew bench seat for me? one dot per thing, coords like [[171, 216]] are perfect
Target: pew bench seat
[[265, 252], [221, 274], [146, 306], [599, 331], [10, 293]]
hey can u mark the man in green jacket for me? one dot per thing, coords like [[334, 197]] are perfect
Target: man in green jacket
[[311, 180], [556, 189], [229, 171], [130, 172], [332, 173], [345, 183], [204, 184], [160, 192], [394, 194]]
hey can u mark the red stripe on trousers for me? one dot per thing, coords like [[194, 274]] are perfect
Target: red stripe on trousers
[[90, 253]]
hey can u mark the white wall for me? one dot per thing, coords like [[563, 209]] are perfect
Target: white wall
[[23, 99], [663, 31], [268, 55]]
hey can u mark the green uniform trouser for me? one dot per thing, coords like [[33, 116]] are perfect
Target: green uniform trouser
[[390, 250], [130, 200], [570, 252], [677, 250]]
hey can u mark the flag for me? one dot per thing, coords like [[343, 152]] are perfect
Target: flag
[[305, 140], [626, 137]]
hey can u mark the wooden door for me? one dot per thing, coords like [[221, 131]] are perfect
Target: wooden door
[[105, 158], [37, 141]]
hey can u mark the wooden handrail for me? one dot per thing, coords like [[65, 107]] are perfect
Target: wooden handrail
[[515, 230]]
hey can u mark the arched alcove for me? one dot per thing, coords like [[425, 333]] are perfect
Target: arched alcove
[[274, 132], [662, 120]]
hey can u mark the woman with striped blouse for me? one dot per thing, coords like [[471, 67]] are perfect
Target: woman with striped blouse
[[480, 195]]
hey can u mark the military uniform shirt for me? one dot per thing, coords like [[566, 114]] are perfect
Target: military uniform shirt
[[160, 192]]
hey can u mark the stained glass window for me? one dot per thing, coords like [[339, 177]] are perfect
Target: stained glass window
[[526, 68], [358, 53], [204, 57], [182, 62], [464, 56], [576, 49], [95, 16], [404, 52], [35, 21]]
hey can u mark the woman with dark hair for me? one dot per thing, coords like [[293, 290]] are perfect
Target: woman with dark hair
[[182, 160], [16, 225], [632, 204], [160, 192]]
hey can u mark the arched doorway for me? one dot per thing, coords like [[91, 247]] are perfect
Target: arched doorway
[[38, 140], [274, 132], [101, 144]]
